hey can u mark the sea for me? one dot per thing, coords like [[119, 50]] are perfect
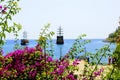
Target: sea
[[61, 50]]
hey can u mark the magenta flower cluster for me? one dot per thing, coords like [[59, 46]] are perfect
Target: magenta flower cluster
[[76, 62], [32, 63], [60, 67], [98, 73], [20, 61], [3, 9]]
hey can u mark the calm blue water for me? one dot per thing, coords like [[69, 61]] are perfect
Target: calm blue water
[[90, 47]]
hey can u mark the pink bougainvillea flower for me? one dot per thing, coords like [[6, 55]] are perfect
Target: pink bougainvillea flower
[[38, 48], [64, 63], [0, 6], [71, 77], [32, 74], [102, 69], [8, 55], [30, 50], [98, 73], [5, 8], [60, 71], [49, 59], [76, 62]]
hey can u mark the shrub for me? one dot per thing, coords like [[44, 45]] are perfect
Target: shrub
[[31, 63]]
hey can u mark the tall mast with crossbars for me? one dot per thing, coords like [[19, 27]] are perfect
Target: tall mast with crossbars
[[60, 39]]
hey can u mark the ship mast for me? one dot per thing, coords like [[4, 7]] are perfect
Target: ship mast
[[24, 41], [60, 31], [60, 36], [24, 35]]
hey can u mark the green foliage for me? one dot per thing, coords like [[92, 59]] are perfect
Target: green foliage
[[1, 1], [116, 56], [45, 39], [16, 28], [32, 63], [115, 36], [113, 74], [78, 47], [92, 68], [115, 71], [112, 35], [10, 9]]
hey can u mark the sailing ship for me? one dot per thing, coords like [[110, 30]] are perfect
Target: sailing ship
[[60, 39], [24, 41]]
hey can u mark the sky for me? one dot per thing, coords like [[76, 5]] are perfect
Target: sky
[[95, 18]]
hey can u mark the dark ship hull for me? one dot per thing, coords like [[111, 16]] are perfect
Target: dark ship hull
[[60, 40], [24, 41]]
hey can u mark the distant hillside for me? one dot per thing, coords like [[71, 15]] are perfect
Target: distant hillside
[[114, 36]]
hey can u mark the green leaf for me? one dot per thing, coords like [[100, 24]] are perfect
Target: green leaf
[[10, 17], [0, 64], [3, 34], [1, 42]]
